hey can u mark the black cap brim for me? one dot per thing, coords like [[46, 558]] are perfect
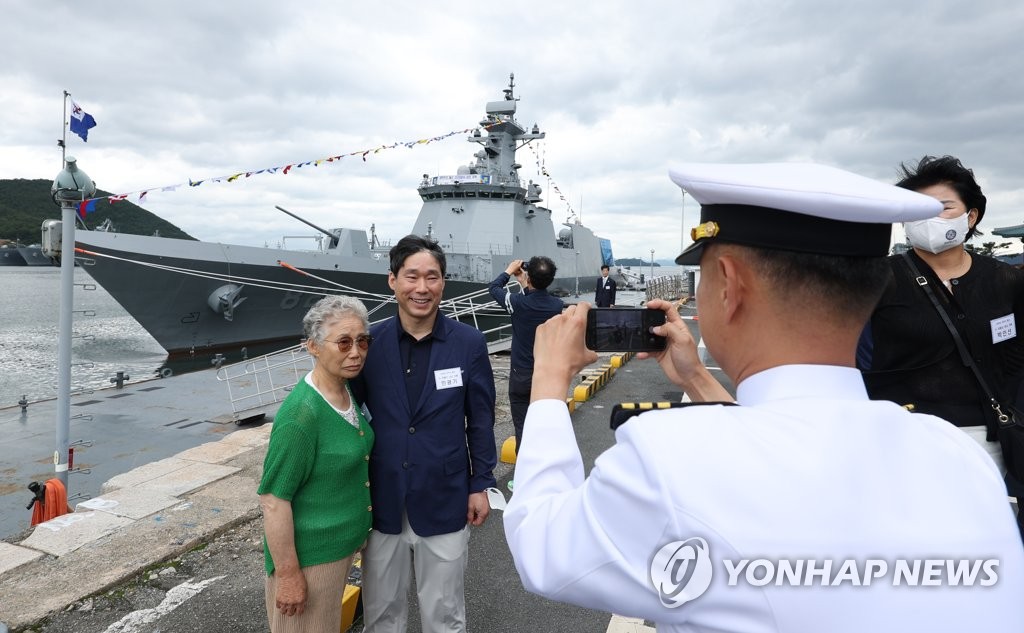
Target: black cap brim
[[691, 256], [774, 229]]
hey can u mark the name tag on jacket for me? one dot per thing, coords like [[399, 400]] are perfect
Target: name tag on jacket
[[448, 378], [1004, 328]]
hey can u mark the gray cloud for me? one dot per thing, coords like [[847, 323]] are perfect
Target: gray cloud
[[204, 89]]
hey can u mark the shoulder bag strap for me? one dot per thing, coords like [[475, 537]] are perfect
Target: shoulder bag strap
[[965, 356]]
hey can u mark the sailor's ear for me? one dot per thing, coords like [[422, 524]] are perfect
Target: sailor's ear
[[734, 278]]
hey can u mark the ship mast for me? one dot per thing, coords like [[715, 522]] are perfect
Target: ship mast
[[505, 136]]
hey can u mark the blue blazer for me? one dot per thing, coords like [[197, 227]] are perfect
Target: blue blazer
[[428, 460]]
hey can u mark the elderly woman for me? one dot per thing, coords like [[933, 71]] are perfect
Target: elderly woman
[[315, 491]]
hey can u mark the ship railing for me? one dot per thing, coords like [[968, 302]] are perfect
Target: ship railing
[[470, 307], [669, 287], [266, 380], [475, 248]]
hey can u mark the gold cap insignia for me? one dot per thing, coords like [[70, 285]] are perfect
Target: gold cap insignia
[[702, 231]]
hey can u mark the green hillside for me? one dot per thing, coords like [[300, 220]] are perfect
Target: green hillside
[[24, 204], [634, 261]]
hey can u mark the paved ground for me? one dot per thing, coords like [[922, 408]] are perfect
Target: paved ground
[[196, 563]]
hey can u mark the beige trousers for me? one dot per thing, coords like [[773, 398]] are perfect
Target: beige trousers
[[325, 586]]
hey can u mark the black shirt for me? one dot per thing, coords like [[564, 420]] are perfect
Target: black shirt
[[908, 356], [415, 358]]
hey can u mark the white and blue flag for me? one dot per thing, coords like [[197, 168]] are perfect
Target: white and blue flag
[[81, 121]]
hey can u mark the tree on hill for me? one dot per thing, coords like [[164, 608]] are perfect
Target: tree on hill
[[634, 261], [987, 249], [25, 204]]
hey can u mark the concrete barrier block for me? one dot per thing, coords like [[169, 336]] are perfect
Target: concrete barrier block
[[13, 556], [214, 452], [256, 437], [68, 532], [188, 478], [143, 474], [349, 602], [581, 393], [131, 503]]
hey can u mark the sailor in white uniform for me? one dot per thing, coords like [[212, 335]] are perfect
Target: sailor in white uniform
[[808, 507]]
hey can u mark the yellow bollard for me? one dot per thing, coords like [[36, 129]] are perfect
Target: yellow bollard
[[508, 450], [581, 393], [349, 602]]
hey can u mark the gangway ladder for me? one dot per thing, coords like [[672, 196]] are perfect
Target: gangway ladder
[[256, 385]]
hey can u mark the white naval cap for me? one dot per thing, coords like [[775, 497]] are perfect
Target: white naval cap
[[797, 207]]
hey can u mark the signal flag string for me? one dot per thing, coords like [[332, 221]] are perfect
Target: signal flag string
[[89, 205]]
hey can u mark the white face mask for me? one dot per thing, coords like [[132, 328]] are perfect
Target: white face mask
[[936, 235]]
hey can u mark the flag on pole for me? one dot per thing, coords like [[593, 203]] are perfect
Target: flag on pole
[[86, 206], [81, 121]]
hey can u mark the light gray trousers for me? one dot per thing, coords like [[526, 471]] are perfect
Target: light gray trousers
[[439, 563]]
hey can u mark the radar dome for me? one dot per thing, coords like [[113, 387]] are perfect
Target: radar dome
[[564, 234], [464, 170]]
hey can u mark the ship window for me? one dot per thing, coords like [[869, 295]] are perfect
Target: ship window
[[459, 194], [446, 194], [470, 194]]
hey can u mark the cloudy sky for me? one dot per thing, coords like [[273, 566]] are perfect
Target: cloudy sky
[[196, 90]]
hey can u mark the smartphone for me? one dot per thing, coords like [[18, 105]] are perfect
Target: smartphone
[[624, 330]]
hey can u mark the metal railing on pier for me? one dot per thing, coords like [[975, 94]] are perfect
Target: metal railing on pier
[[670, 287]]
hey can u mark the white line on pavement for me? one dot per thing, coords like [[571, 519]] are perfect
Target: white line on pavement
[[620, 624], [174, 598]]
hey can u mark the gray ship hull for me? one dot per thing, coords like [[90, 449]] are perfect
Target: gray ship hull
[[9, 256], [147, 276], [33, 256]]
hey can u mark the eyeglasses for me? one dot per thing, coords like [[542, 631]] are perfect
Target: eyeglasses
[[345, 343]]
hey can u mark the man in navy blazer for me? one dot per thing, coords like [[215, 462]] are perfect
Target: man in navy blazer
[[604, 292], [430, 393]]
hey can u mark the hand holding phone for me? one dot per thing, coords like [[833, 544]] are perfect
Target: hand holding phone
[[624, 330]]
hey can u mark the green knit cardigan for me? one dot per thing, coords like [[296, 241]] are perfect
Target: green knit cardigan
[[319, 462]]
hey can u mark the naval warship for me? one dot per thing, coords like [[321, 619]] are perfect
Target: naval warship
[[33, 255], [9, 256], [204, 297]]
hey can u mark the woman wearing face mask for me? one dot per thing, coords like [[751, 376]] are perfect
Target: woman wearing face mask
[[907, 352]]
